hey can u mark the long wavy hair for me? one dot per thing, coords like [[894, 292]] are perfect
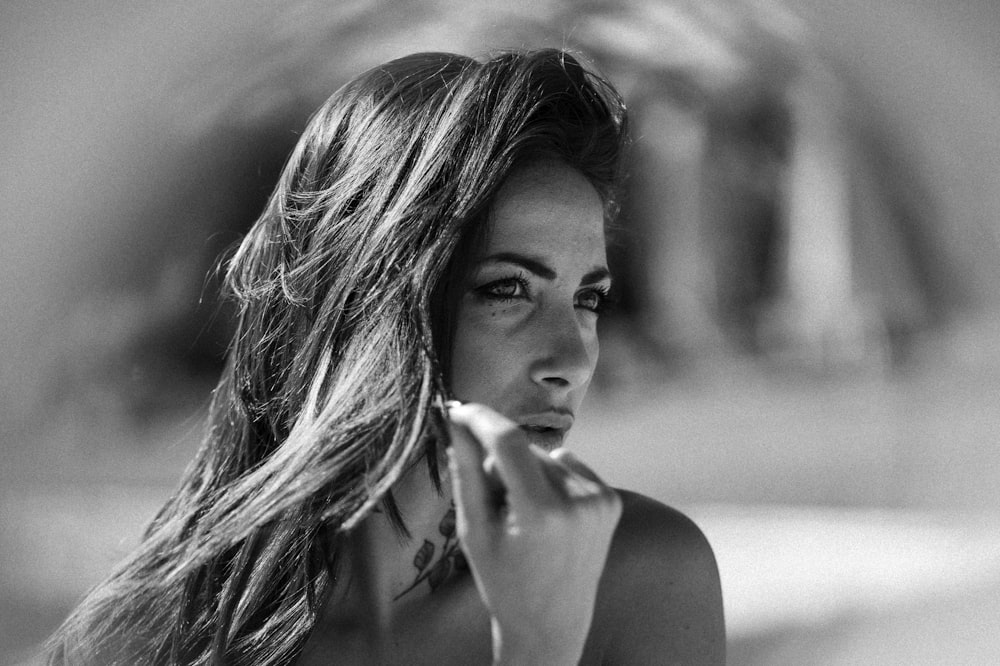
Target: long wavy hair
[[345, 289]]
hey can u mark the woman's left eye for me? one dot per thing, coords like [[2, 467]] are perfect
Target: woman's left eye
[[592, 299], [507, 289]]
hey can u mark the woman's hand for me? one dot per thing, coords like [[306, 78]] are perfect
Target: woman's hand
[[536, 529]]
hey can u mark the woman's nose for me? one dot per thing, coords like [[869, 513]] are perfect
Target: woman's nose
[[565, 350]]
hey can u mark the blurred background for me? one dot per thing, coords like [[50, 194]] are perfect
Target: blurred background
[[807, 360]]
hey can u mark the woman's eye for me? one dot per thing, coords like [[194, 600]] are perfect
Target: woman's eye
[[592, 299], [507, 289]]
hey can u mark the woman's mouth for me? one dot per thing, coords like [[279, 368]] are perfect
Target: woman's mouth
[[544, 436]]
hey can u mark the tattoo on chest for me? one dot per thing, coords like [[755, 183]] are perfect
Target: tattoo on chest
[[451, 558]]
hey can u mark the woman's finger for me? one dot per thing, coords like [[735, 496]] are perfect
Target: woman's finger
[[519, 469], [555, 471], [569, 484], [584, 482], [567, 458], [470, 487]]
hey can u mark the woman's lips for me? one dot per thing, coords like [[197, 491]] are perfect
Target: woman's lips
[[546, 429], [554, 419], [547, 438]]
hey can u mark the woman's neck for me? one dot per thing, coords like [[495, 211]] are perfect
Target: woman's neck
[[390, 573], [402, 599]]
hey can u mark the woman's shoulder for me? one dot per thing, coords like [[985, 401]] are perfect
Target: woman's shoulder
[[649, 529], [660, 599]]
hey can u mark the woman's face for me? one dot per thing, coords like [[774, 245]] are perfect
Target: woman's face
[[526, 334]]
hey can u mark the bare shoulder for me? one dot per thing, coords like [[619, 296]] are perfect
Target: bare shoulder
[[649, 529], [660, 601]]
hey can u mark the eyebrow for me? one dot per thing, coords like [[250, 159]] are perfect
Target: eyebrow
[[540, 269]]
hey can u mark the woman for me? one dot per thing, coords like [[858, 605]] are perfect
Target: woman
[[437, 234]]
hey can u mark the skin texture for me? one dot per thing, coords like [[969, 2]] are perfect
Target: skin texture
[[526, 338], [564, 569], [659, 600]]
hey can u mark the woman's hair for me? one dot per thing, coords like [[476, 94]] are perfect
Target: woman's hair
[[345, 289]]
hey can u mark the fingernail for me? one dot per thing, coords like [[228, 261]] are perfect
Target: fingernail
[[562, 452], [451, 404]]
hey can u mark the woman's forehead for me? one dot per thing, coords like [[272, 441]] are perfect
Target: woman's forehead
[[543, 203]]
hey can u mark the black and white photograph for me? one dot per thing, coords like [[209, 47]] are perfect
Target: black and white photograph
[[535, 332]]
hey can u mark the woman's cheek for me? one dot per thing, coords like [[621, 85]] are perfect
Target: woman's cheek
[[486, 354]]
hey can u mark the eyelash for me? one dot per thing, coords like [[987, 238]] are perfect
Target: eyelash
[[603, 294], [519, 284], [489, 291]]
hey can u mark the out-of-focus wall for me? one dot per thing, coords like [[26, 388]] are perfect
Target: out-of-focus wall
[[931, 72]]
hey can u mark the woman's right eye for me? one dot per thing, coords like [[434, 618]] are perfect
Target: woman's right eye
[[507, 289]]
